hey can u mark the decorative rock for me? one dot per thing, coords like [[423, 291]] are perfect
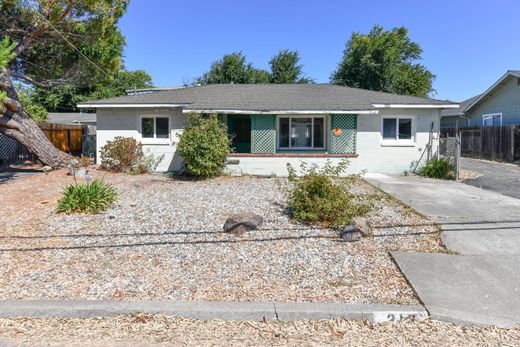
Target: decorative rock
[[350, 233], [362, 226], [239, 223]]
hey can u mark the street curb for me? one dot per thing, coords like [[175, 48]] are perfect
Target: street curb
[[205, 310]]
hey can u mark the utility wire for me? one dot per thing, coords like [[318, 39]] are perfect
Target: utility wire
[[73, 46]]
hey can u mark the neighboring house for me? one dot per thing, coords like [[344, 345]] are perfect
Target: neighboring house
[[273, 124], [71, 118], [499, 105]]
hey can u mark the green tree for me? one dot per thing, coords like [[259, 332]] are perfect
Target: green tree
[[285, 68], [56, 42], [233, 68], [384, 61], [65, 97]]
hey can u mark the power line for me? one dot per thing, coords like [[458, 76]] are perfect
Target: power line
[[73, 46]]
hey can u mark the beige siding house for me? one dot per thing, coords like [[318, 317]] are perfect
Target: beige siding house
[[272, 125], [498, 105]]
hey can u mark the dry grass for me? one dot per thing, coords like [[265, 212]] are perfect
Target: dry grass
[[155, 329]]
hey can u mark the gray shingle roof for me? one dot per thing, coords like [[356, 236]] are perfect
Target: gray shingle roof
[[270, 97], [70, 117], [460, 110]]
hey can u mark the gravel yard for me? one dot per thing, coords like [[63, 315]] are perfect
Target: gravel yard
[[164, 330], [162, 240]]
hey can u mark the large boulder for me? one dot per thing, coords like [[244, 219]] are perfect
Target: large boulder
[[239, 223]]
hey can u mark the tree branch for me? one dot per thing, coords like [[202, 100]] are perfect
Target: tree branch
[[41, 29], [29, 79]]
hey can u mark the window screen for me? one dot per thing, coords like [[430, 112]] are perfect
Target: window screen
[[389, 128], [162, 127], [147, 127]]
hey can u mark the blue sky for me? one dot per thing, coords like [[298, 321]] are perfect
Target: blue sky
[[467, 44]]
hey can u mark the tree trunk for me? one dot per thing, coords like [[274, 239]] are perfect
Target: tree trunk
[[15, 123]]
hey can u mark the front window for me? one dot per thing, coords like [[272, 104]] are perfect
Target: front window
[[397, 128], [301, 132], [494, 119], [155, 127]]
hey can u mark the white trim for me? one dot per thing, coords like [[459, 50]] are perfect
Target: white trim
[[496, 84], [415, 106], [86, 105], [396, 141], [278, 148], [154, 140], [309, 112], [491, 115]]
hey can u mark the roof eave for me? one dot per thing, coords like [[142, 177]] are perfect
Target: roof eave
[[439, 106], [94, 105], [278, 112]]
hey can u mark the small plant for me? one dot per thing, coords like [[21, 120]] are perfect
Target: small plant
[[321, 196], [440, 168], [148, 163], [91, 197], [204, 146], [121, 154]]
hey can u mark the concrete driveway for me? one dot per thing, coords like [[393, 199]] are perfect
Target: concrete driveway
[[503, 178], [480, 285]]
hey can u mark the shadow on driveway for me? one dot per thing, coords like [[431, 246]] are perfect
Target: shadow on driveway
[[503, 178]]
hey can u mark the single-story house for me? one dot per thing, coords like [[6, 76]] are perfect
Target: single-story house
[[273, 124], [87, 120], [499, 105]]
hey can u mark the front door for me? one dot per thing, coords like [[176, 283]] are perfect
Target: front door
[[239, 128]]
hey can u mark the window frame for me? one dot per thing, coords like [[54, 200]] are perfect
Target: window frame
[[290, 148], [397, 141], [154, 139], [491, 115]]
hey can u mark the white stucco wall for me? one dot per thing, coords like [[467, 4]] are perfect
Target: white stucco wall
[[126, 122], [374, 154]]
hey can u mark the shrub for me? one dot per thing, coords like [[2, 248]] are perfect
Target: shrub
[[204, 146], [440, 168], [148, 163], [120, 154], [321, 196], [91, 197]]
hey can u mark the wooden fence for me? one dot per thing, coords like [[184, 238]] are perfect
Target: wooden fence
[[65, 137], [501, 143]]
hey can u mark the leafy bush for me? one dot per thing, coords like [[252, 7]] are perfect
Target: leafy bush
[[321, 196], [91, 197], [148, 163], [204, 146], [120, 154], [125, 154], [440, 168]]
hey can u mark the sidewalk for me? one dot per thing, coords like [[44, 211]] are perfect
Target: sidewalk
[[481, 285]]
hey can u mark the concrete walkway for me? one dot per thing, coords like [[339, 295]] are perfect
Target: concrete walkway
[[481, 285], [205, 310]]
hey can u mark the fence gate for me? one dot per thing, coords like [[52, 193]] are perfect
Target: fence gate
[[450, 148], [489, 142], [13, 152]]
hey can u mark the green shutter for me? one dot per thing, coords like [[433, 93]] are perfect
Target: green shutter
[[263, 134], [346, 142]]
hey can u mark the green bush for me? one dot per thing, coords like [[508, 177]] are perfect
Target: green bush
[[440, 168], [321, 196], [91, 197], [120, 154], [204, 146]]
